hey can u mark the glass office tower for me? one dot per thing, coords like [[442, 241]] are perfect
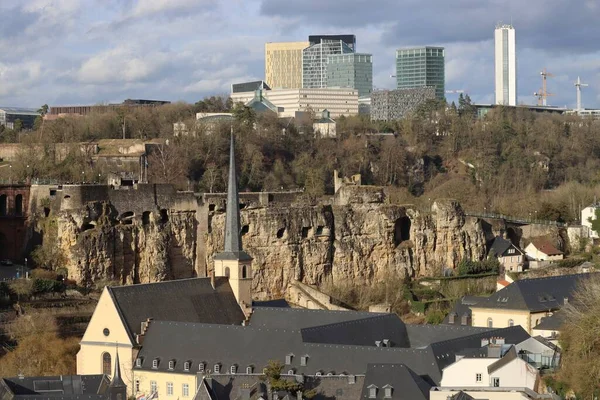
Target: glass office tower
[[421, 67], [314, 61], [351, 71]]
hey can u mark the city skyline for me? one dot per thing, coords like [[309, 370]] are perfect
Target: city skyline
[[87, 52]]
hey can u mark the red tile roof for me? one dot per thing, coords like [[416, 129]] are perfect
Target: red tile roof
[[543, 245]]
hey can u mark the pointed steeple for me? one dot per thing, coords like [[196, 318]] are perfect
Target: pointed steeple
[[117, 381], [233, 241]]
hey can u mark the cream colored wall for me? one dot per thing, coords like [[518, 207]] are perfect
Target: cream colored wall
[[326, 129], [283, 64], [512, 263], [162, 378], [464, 373], [94, 343], [241, 287], [516, 373], [500, 318], [489, 395]]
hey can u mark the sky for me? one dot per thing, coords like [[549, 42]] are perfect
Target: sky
[[70, 52]]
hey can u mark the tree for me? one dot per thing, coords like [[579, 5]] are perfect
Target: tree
[[43, 110], [595, 221], [18, 125], [167, 164], [580, 343]]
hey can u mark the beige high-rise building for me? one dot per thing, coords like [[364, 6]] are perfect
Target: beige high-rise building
[[283, 64]]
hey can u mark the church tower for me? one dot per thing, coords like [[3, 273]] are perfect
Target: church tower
[[234, 262], [117, 390]]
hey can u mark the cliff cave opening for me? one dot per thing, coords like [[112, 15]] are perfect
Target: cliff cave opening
[[88, 226], [145, 217], [164, 216], [245, 229], [127, 217], [46, 212], [401, 230], [3, 205], [211, 207], [305, 231], [280, 233], [320, 230]]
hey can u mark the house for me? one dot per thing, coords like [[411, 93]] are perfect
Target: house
[[325, 126], [511, 258], [525, 302], [539, 352], [461, 312], [549, 327], [541, 249], [588, 215], [65, 387]]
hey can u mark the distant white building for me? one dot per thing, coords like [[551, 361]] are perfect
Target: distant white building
[[588, 215], [325, 126], [505, 65]]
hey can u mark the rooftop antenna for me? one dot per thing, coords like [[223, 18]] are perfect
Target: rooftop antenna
[[579, 85]]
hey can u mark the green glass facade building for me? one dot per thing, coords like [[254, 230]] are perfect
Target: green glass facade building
[[351, 71], [421, 67]]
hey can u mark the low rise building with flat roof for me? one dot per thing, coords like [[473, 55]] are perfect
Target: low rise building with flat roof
[[9, 115], [389, 105]]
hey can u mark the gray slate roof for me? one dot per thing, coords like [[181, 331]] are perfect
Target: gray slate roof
[[541, 294], [500, 248], [404, 382], [462, 307], [298, 318], [421, 336], [510, 355], [68, 387], [190, 300], [553, 322]]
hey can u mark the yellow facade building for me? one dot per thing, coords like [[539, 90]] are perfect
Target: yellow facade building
[[283, 64]]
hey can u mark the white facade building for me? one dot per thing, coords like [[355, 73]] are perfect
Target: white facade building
[[505, 65], [337, 101], [588, 214]]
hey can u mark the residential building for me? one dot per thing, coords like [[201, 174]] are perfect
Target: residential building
[[325, 126], [525, 302], [314, 61], [337, 101], [349, 40], [539, 352], [549, 327], [510, 257], [505, 65], [588, 215], [283, 64], [354, 70], [541, 249], [390, 105], [10, 115], [421, 67]]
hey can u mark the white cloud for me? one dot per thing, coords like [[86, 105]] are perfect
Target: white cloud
[[17, 78]]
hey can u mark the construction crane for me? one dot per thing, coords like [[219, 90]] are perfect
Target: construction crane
[[543, 94], [579, 85]]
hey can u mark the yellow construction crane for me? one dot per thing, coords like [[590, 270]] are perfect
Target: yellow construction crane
[[543, 94]]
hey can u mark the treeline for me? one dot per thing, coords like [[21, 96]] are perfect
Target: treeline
[[512, 161]]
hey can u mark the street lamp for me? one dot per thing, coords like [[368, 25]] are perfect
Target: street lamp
[[82, 176]]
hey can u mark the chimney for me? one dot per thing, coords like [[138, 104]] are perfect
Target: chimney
[[212, 279], [464, 319], [451, 317], [485, 342], [565, 301], [245, 392], [299, 395]]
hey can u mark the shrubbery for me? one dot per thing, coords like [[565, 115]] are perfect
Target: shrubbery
[[468, 267]]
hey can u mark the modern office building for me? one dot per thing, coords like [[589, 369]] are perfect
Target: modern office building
[[390, 105], [9, 115], [249, 86], [421, 67], [314, 61], [352, 70], [283, 64], [85, 110], [350, 40], [505, 65], [337, 101]]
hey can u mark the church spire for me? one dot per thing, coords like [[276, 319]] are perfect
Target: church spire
[[117, 381], [233, 241]]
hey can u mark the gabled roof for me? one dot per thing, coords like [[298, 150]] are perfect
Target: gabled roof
[[404, 382], [190, 300], [299, 318], [553, 322], [507, 358], [540, 294], [543, 245], [501, 246], [66, 387], [421, 336], [462, 307], [362, 332], [462, 396]]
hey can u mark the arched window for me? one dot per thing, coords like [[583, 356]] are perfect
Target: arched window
[[511, 322], [19, 205], [227, 272], [244, 272], [490, 323], [3, 205], [106, 370]]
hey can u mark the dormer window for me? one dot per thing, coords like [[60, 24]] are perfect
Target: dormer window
[[288, 359], [291, 372], [387, 391], [217, 368], [303, 360], [233, 369], [319, 373], [187, 365], [386, 343], [249, 369], [155, 363], [138, 362], [201, 367], [171, 364], [351, 379], [372, 391]]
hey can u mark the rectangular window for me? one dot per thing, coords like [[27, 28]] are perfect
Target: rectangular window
[[152, 387], [169, 388], [185, 390], [477, 377], [496, 382]]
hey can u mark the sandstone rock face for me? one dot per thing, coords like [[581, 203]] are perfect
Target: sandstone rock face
[[100, 245], [356, 244]]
